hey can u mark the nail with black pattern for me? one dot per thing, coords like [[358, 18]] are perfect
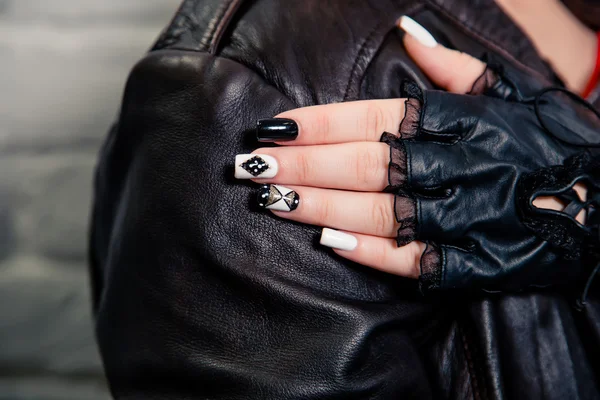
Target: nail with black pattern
[[249, 166], [278, 198]]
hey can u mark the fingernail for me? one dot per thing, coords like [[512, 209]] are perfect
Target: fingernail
[[416, 30], [278, 198], [276, 130], [250, 166], [338, 240]]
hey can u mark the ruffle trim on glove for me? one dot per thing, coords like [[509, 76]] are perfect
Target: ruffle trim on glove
[[494, 82], [405, 208], [404, 204]]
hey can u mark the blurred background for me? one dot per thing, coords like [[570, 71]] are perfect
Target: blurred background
[[63, 66]]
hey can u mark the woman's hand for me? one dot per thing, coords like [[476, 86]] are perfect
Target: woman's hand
[[331, 168], [339, 168]]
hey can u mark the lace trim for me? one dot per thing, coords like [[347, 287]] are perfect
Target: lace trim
[[487, 80], [405, 207], [494, 82], [431, 271], [575, 241]]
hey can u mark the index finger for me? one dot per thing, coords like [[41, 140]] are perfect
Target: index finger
[[356, 121]]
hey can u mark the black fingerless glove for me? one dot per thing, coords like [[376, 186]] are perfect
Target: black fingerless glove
[[465, 170]]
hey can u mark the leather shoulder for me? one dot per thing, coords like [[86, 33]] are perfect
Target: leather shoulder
[[198, 25], [318, 52]]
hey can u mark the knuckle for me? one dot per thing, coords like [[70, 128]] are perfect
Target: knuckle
[[304, 168], [367, 166], [382, 219], [376, 120], [320, 126]]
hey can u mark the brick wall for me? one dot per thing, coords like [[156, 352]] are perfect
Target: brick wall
[[63, 68]]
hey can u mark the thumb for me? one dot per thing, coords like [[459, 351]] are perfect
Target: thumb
[[449, 69]]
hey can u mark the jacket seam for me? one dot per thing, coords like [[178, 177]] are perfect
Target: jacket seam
[[217, 25], [353, 72], [359, 57]]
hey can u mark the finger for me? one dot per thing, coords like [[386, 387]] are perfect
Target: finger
[[449, 69], [376, 252], [554, 203], [367, 213], [348, 166], [357, 121]]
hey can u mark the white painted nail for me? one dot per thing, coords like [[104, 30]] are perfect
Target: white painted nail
[[338, 240], [416, 30], [250, 166]]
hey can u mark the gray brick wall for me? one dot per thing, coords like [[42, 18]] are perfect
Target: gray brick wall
[[63, 66]]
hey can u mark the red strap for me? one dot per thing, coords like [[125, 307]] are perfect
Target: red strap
[[593, 81]]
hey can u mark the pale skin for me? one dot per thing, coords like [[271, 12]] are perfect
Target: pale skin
[[567, 44], [339, 167]]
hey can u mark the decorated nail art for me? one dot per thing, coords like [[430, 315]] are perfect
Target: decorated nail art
[[277, 197], [249, 166]]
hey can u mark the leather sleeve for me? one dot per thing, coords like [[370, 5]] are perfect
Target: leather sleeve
[[203, 296]]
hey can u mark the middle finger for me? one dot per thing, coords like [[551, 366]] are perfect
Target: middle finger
[[357, 166]]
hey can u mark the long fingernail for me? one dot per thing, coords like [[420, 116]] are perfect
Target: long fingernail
[[338, 240], [250, 166], [276, 130], [416, 30], [278, 198]]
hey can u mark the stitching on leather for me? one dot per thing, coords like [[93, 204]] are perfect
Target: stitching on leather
[[450, 246], [363, 48], [477, 35], [216, 24], [229, 13], [444, 264]]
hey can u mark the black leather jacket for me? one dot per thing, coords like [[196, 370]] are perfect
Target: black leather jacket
[[198, 296]]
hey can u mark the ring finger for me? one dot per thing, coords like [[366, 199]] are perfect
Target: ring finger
[[367, 213]]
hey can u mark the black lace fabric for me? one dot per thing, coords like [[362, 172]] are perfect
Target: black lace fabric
[[431, 268], [486, 81], [404, 205], [405, 208], [553, 227], [494, 82], [409, 127]]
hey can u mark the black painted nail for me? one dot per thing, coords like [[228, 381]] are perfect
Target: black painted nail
[[276, 130], [277, 197]]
